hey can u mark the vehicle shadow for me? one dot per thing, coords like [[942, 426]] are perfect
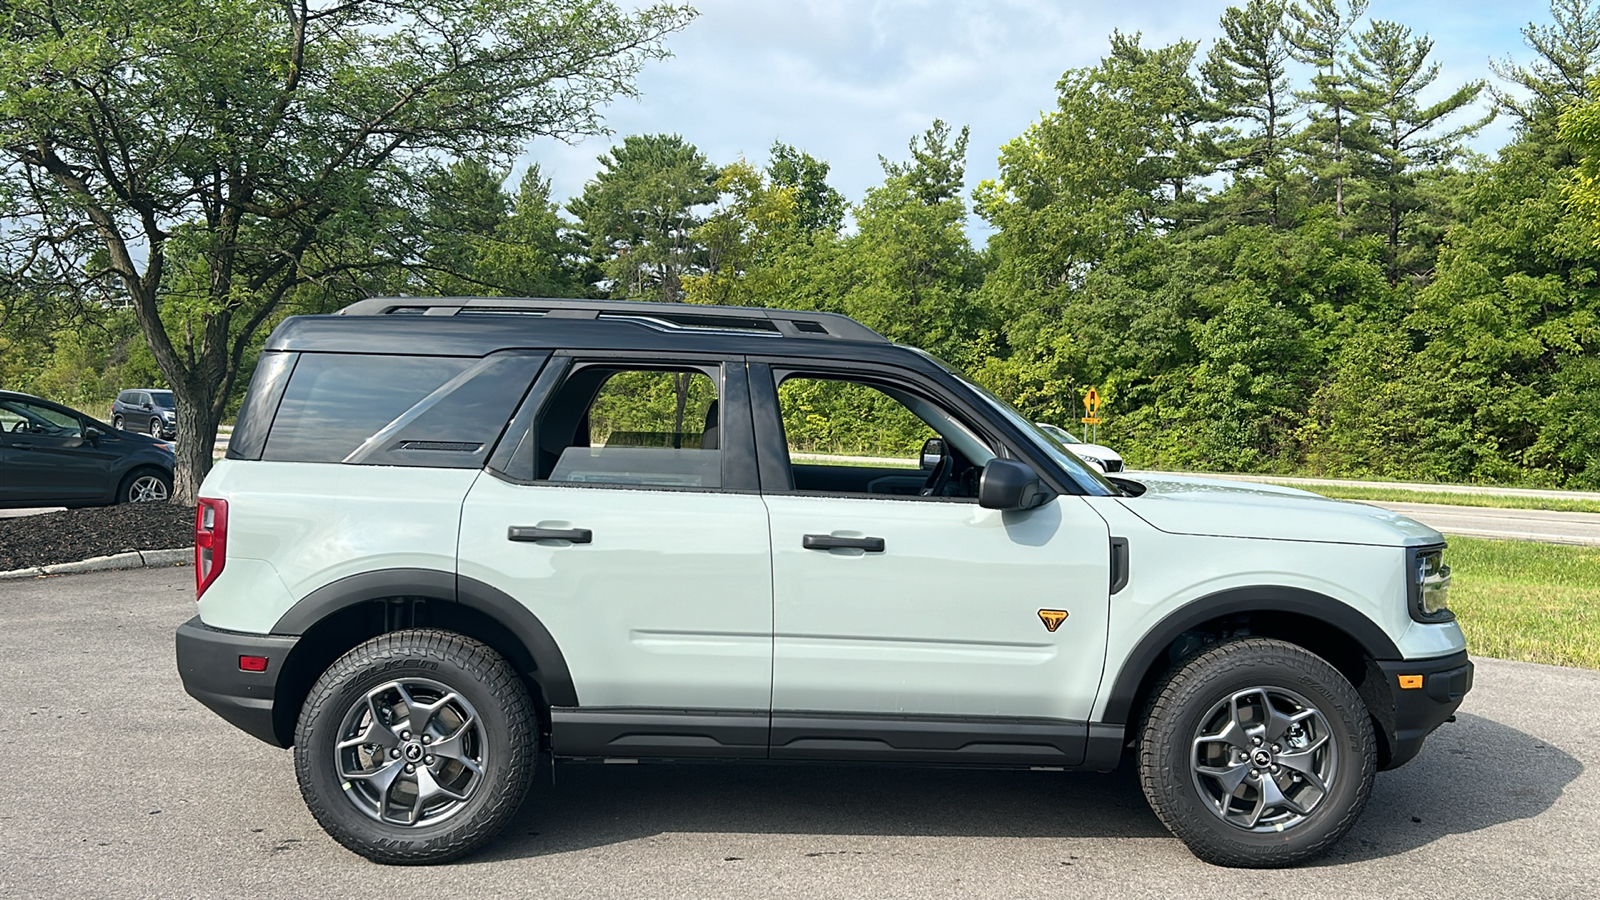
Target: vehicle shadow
[[1471, 775], [1462, 782]]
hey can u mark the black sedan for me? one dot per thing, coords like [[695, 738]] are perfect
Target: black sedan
[[52, 455]]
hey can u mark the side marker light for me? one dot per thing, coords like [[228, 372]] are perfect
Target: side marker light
[[1410, 682], [252, 663]]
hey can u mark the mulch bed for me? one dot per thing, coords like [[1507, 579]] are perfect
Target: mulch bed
[[74, 534]]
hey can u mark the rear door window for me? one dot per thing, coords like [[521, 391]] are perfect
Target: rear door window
[[633, 427]]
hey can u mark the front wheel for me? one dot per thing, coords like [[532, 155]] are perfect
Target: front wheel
[[145, 486], [1257, 753], [416, 747]]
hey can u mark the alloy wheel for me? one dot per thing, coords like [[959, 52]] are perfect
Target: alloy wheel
[[1263, 759], [147, 489], [411, 752]]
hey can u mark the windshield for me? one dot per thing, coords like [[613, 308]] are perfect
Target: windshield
[[1060, 434], [162, 399], [1082, 472]]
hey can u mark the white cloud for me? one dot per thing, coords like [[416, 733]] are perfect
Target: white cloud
[[847, 81]]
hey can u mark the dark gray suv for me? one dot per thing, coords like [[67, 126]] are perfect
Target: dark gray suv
[[148, 410]]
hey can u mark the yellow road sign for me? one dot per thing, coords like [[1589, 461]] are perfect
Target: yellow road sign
[[1091, 402], [1090, 420]]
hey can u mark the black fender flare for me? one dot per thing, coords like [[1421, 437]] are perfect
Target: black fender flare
[[551, 670], [1263, 599]]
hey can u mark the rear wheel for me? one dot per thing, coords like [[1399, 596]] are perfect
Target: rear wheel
[[116, 422], [416, 747], [1257, 753]]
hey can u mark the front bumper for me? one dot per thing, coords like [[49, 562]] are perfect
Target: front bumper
[[1423, 694], [208, 663]]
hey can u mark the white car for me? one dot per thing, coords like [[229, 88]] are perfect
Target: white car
[[454, 537], [1102, 457]]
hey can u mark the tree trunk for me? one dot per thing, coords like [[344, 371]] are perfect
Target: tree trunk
[[199, 416]]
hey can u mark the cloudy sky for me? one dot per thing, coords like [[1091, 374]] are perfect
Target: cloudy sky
[[846, 80]]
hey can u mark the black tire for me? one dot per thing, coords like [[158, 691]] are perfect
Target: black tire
[[116, 422], [137, 486], [488, 691], [1185, 779]]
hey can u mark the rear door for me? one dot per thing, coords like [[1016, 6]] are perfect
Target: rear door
[[628, 522]]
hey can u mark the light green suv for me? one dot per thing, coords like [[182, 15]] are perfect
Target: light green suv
[[453, 535]]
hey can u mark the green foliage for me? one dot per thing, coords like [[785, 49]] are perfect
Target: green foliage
[[640, 213], [209, 163]]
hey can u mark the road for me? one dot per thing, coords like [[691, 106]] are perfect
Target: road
[[1311, 483], [122, 786], [1542, 525]]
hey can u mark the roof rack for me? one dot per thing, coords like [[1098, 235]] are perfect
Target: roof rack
[[674, 317]]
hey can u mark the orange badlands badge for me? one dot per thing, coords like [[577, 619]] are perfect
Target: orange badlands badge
[[1052, 618]]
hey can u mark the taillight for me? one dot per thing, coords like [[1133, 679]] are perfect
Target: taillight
[[210, 542]]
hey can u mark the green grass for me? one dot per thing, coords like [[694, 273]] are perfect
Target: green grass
[[1534, 602], [1402, 495]]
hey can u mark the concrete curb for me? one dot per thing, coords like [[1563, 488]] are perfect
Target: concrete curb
[[133, 559]]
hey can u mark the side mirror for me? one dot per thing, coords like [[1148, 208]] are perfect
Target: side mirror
[[932, 452], [147, 406], [92, 434], [1008, 484]]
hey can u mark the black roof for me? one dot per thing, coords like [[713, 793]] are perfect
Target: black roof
[[474, 326]]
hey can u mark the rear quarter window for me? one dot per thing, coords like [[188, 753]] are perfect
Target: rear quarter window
[[398, 410]]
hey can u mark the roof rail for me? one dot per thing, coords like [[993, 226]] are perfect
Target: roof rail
[[682, 317]]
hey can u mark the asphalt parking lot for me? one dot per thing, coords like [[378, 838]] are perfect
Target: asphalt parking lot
[[123, 787]]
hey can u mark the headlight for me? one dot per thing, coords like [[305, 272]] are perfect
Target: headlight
[[1430, 586]]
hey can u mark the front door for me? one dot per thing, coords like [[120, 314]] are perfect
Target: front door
[[45, 457], [915, 623], [634, 545]]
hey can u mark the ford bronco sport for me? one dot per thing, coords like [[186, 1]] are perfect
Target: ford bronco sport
[[451, 535]]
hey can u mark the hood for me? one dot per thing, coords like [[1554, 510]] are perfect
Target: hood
[[1180, 504], [1098, 451]]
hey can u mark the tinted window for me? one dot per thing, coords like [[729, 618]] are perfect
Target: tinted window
[[334, 402], [162, 399]]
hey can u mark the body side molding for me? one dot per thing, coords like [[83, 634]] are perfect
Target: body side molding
[[430, 584], [1261, 599], [682, 733], [550, 672]]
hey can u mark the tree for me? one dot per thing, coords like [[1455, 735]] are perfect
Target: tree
[[817, 206], [1391, 70], [535, 252], [937, 169], [640, 213], [753, 217], [1568, 60], [912, 272], [1246, 78], [1117, 162], [225, 155], [1321, 32]]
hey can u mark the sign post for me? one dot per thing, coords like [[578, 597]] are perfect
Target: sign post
[[1091, 418]]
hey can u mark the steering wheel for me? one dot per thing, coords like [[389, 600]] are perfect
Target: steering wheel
[[939, 478]]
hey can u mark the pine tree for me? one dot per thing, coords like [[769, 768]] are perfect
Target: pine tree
[[1390, 71], [1319, 39]]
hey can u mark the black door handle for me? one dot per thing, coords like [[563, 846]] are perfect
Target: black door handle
[[830, 542], [22, 446], [526, 533]]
